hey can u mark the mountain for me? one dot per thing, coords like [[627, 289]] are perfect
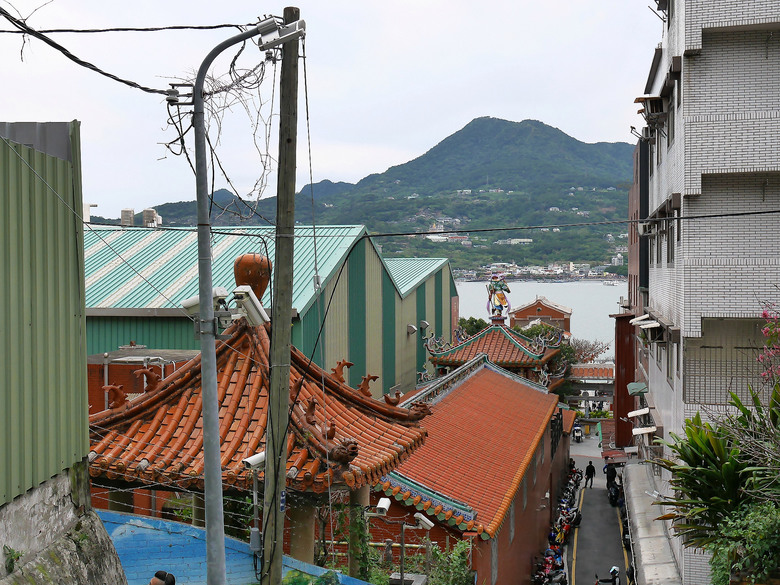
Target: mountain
[[495, 153], [491, 174]]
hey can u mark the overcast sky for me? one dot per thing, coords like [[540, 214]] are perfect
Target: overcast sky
[[386, 81]]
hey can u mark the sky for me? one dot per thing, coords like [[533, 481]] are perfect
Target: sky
[[383, 82]]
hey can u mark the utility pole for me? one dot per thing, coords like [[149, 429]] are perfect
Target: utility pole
[[279, 387], [272, 35]]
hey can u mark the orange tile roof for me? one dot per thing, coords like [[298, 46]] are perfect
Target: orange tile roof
[[569, 416], [157, 437], [592, 371], [481, 442], [504, 347]]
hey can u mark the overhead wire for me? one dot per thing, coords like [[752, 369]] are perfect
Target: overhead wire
[[89, 227], [25, 28]]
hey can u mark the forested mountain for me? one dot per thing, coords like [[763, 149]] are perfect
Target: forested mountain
[[491, 174]]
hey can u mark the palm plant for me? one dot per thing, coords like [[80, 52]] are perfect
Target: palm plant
[[709, 477]]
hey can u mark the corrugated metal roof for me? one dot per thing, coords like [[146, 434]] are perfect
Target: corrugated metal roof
[[408, 273], [128, 267]]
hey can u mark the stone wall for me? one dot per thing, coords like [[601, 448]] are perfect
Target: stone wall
[[58, 538]]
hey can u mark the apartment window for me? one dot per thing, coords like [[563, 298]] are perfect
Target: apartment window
[[658, 151], [678, 90], [651, 247], [678, 225], [650, 145], [541, 451], [659, 248], [670, 363], [670, 241], [534, 462], [677, 357], [670, 125]]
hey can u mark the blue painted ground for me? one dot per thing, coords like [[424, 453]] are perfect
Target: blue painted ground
[[146, 545]]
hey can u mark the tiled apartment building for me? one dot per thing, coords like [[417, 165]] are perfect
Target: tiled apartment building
[[707, 182]]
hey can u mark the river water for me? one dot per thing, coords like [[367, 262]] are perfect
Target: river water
[[591, 303]]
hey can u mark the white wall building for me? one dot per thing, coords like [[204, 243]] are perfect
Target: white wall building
[[713, 114]]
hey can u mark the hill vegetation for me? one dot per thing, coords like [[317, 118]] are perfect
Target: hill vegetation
[[492, 181]]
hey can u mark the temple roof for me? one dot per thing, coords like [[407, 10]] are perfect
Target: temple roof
[[339, 436], [541, 300], [487, 427], [504, 346]]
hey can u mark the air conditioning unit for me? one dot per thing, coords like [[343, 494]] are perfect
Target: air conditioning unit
[[654, 105], [644, 228]]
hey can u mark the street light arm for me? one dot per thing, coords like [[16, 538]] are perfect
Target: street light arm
[[215, 529]]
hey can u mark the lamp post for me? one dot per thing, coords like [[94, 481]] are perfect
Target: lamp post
[[272, 35]]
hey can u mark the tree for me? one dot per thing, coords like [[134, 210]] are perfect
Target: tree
[[586, 351], [748, 544], [472, 325]]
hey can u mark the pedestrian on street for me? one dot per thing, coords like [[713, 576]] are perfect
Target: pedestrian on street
[[162, 578], [611, 472], [614, 577], [590, 473]]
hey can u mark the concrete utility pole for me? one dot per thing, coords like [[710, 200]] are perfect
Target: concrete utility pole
[[215, 524], [279, 387]]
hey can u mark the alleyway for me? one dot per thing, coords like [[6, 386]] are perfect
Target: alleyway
[[596, 545]]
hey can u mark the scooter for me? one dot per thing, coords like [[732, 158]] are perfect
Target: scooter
[[577, 433]]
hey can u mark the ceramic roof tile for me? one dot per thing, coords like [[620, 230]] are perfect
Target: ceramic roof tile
[[157, 438], [504, 346], [486, 428], [544, 301]]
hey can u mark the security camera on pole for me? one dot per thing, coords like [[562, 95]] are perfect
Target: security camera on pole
[[272, 34]]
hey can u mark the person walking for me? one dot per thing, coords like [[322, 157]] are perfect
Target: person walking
[[590, 473]]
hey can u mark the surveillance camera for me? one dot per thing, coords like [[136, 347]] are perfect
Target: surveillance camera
[[250, 307], [383, 506], [422, 521], [256, 461], [192, 304]]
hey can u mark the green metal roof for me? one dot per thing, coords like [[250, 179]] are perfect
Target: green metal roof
[[143, 268], [408, 273]]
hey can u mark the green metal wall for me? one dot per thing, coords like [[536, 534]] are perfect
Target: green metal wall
[[43, 380], [356, 316], [374, 342], [439, 303], [388, 331], [421, 314], [109, 333], [306, 334]]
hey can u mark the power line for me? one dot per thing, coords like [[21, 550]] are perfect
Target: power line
[[131, 29], [680, 218], [24, 28]]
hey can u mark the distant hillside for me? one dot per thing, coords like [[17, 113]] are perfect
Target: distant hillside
[[491, 174]]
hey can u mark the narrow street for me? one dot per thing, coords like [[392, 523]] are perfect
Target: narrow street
[[596, 546]]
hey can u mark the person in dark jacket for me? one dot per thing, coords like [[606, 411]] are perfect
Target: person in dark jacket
[[590, 473], [611, 472]]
